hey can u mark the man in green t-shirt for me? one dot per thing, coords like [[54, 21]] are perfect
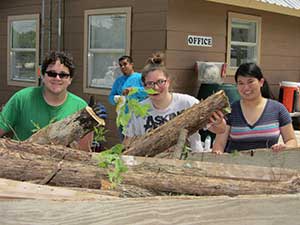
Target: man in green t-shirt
[[35, 107]]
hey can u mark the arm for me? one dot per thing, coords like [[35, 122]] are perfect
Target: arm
[[115, 90], [220, 141], [288, 136]]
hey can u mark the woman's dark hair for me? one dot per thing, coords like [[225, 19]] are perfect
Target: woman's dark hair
[[127, 57], [253, 70], [156, 62], [64, 58]]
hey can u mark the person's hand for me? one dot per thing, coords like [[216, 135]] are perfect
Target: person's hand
[[126, 91], [100, 110], [217, 151], [278, 147], [216, 118], [217, 122]]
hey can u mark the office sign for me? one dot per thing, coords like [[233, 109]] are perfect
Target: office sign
[[203, 41]]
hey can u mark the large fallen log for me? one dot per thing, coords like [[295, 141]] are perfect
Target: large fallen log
[[204, 178], [165, 136], [72, 128], [58, 152], [24, 166], [74, 170], [157, 175]]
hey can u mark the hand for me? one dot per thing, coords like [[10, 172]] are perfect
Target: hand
[[126, 91], [217, 151], [217, 123], [100, 110], [278, 147], [216, 118]]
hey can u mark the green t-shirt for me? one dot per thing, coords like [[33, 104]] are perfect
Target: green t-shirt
[[26, 110]]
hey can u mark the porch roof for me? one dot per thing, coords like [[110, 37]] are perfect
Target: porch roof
[[286, 7]]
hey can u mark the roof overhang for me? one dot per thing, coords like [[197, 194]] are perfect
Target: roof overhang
[[258, 4]]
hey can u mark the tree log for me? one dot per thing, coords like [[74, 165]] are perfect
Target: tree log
[[165, 136], [30, 167], [72, 128], [157, 175], [57, 152]]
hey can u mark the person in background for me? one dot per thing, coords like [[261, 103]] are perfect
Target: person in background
[[256, 121], [165, 105], [36, 107], [124, 84], [128, 80]]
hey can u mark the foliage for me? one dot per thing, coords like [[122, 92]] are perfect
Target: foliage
[[37, 127], [24, 39], [227, 110], [235, 153], [129, 106], [185, 152], [112, 157], [99, 134]]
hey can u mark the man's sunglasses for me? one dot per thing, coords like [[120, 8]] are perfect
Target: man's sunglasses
[[54, 74]]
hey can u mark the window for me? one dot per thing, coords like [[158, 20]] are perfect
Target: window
[[243, 40], [107, 38], [23, 50]]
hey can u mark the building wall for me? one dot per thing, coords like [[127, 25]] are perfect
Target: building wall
[[280, 42], [10, 8], [161, 25], [148, 35]]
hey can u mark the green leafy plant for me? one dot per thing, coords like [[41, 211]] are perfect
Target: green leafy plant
[[185, 152], [37, 126], [235, 153], [99, 134], [130, 106], [111, 159]]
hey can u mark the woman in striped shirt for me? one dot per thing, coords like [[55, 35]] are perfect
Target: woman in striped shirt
[[256, 121]]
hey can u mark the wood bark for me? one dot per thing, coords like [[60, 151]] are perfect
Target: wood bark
[[31, 167], [70, 129], [202, 178], [165, 136], [153, 174], [77, 169], [58, 152]]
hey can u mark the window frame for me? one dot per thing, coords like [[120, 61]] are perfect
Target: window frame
[[106, 11], [244, 18], [10, 20]]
